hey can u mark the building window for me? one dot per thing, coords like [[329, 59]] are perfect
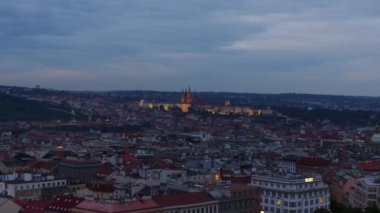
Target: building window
[[278, 202], [322, 200]]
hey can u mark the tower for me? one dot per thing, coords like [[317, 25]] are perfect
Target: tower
[[183, 98], [186, 96]]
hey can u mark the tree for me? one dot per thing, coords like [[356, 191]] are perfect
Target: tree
[[322, 211], [372, 209]]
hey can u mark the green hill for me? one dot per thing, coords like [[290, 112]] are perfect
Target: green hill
[[19, 109]]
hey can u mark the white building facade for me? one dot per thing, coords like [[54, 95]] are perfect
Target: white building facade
[[281, 194], [32, 186]]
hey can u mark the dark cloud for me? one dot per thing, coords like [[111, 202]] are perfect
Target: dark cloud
[[325, 46]]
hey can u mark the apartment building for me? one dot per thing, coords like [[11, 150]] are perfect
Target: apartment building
[[292, 194]]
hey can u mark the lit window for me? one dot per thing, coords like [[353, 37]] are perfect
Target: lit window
[[309, 180], [278, 202], [322, 200]]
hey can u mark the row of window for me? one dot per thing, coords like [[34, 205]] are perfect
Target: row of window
[[278, 210], [315, 193], [278, 202], [40, 185], [242, 193], [206, 209], [236, 205], [291, 186]]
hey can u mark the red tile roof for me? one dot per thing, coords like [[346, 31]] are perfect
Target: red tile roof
[[104, 171], [313, 161], [35, 206], [63, 204], [183, 199], [370, 165], [21, 203], [102, 207]]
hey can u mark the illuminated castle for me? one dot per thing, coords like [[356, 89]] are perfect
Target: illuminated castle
[[186, 97], [190, 100]]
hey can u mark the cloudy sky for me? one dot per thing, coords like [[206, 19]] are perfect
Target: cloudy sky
[[262, 46]]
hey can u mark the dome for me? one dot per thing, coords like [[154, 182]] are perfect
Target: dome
[[375, 138]]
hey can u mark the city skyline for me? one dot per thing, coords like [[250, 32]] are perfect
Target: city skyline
[[324, 47]]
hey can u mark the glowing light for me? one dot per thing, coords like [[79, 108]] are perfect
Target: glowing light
[[322, 200], [166, 107], [60, 147], [217, 177], [278, 202], [309, 180]]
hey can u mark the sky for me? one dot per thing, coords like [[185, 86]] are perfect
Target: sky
[[258, 46]]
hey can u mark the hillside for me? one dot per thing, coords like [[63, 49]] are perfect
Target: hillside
[[20, 109]]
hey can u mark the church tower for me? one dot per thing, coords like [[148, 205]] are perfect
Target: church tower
[[189, 97], [183, 96]]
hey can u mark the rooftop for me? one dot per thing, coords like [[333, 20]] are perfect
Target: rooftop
[[103, 207], [183, 199]]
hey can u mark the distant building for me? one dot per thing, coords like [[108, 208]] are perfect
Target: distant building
[[33, 186], [374, 145], [190, 100], [288, 164], [365, 193], [239, 199], [187, 202], [78, 169]]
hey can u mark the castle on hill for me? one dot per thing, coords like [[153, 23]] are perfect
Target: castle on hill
[[188, 100]]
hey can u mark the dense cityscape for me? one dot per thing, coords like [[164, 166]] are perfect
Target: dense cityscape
[[80, 152], [189, 106]]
